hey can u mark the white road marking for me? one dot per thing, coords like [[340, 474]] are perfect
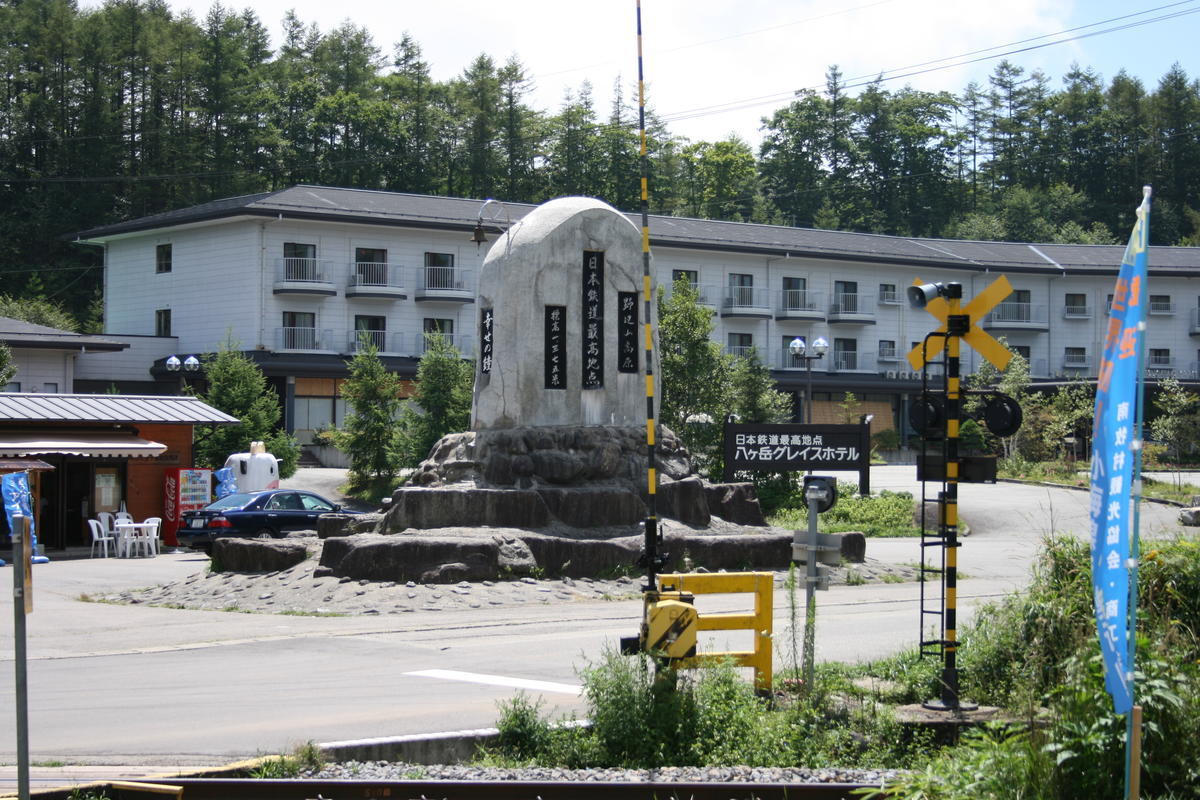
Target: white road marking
[[497, 680]]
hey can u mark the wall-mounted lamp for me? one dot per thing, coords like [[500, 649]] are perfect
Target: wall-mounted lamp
[[478, 236]]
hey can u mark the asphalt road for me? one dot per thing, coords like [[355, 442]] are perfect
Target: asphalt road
[[134, 684]]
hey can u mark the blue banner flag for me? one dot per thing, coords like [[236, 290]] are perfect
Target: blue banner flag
[[1116, 464], [14, 486]]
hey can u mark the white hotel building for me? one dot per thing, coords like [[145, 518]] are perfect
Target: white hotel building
[[295, 275]]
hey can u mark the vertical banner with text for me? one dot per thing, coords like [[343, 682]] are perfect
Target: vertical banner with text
[[1116, 451]]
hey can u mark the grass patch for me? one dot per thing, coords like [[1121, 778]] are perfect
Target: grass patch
[[884, 514], [304, 758]]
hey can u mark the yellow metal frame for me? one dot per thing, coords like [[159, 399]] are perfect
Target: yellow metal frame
[[762, 584]]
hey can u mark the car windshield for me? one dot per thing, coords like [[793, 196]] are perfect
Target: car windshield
[[231, 501]]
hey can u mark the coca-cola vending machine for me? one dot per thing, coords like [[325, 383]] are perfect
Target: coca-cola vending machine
[[185, 489]]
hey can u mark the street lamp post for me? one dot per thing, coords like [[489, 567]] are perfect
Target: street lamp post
[[189, 364], [799, 349]]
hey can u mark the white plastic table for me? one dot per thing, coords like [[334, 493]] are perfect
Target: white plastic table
[[126, 531]]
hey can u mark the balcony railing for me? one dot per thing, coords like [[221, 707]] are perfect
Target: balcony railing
[[1165, 307], [1076, 361], [799, 304], [1077, 312], [1160, 362], [375, 279], [785, 359], [851, 307], [1017, 315], [384, 342], [461, 342], [745, 301], [851, 362], [303, 276], [706, 294], [445, 283], [740, 351], [303, 339]]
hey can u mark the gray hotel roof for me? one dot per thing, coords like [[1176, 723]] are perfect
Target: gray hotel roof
[[114, 408], [21, 334], [452, 213]]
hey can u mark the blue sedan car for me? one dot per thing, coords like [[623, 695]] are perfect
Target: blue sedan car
[[267, 514]]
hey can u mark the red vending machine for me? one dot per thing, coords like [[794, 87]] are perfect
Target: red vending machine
[[186, 489]]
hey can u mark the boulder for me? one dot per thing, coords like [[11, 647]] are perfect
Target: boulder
[[734, 502], [685, 500], [346, 524], [1189, 517], [450, 506], [429, 559], [231, 554]]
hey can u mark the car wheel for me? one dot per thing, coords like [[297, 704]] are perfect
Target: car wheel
[[265, 533]]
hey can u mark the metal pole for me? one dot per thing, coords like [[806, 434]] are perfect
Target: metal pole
[[21, 556], [808, 398], [810, 600], [651, 532]]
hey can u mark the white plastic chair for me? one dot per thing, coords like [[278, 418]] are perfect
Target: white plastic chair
[[124, 516], [101, 537], [106, 521], [154, 540]]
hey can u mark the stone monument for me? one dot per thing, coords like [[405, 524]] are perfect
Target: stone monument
[[558, 430]]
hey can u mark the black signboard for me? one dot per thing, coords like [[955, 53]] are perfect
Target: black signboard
[[791, 447], [556, 347], [593, 320], [485, 341], [627, 325]]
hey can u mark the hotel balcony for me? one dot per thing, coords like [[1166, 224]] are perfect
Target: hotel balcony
[[784, 359], [745, 301], [799, 304], [706, 294], [305, 340], [1077, 362], [851, 362], [445, 284], [1077, 312], [741, 351], [1017, 317], [370, 279], [1164, 308], [1194, 322], [464, 344], [853, 308], [386, 343], [303, 276]]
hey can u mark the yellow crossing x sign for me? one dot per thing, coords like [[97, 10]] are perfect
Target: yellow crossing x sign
[[983, 342]]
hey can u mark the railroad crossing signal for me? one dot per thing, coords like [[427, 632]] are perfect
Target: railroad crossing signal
[[982, 341]]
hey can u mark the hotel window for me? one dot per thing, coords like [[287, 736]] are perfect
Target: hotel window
[[887, 293], [845, 354], [740, 344], [370, 330], [1075, 305], [887, 350], [299, 261], [1160, 356], [299, 330], [162, 258], [162, 322], [1075, 357], [439, 270], [690, 275], [795, 294], [1161, 304]]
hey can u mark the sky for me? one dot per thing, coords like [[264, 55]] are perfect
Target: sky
[[716, 67]]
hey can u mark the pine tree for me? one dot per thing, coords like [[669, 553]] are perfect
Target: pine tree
[[370, 433], [238, 387], [442, 402]]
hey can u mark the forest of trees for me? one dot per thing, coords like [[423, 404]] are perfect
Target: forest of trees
[[131, 109]]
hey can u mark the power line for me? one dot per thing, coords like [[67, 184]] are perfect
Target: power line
[[959, 60]]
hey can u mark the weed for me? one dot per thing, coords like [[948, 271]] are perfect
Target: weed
[[82, 793]]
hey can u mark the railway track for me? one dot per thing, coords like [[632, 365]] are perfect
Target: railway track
[[250, 789]]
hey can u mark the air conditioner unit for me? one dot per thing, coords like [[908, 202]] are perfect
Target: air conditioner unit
[[891, 374]]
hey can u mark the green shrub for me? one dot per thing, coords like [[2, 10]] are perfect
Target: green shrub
[[885, 514], [524, 734]]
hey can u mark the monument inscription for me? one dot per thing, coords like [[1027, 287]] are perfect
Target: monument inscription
[[485, 340], [627, 332], [556, 347], [593, 320]]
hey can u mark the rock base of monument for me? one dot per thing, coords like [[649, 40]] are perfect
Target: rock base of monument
[[452, 555], [561, 480]]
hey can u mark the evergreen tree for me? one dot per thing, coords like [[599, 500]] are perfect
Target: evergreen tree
[[8, 370], [238, 387], [370, 433], [442, 400]]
